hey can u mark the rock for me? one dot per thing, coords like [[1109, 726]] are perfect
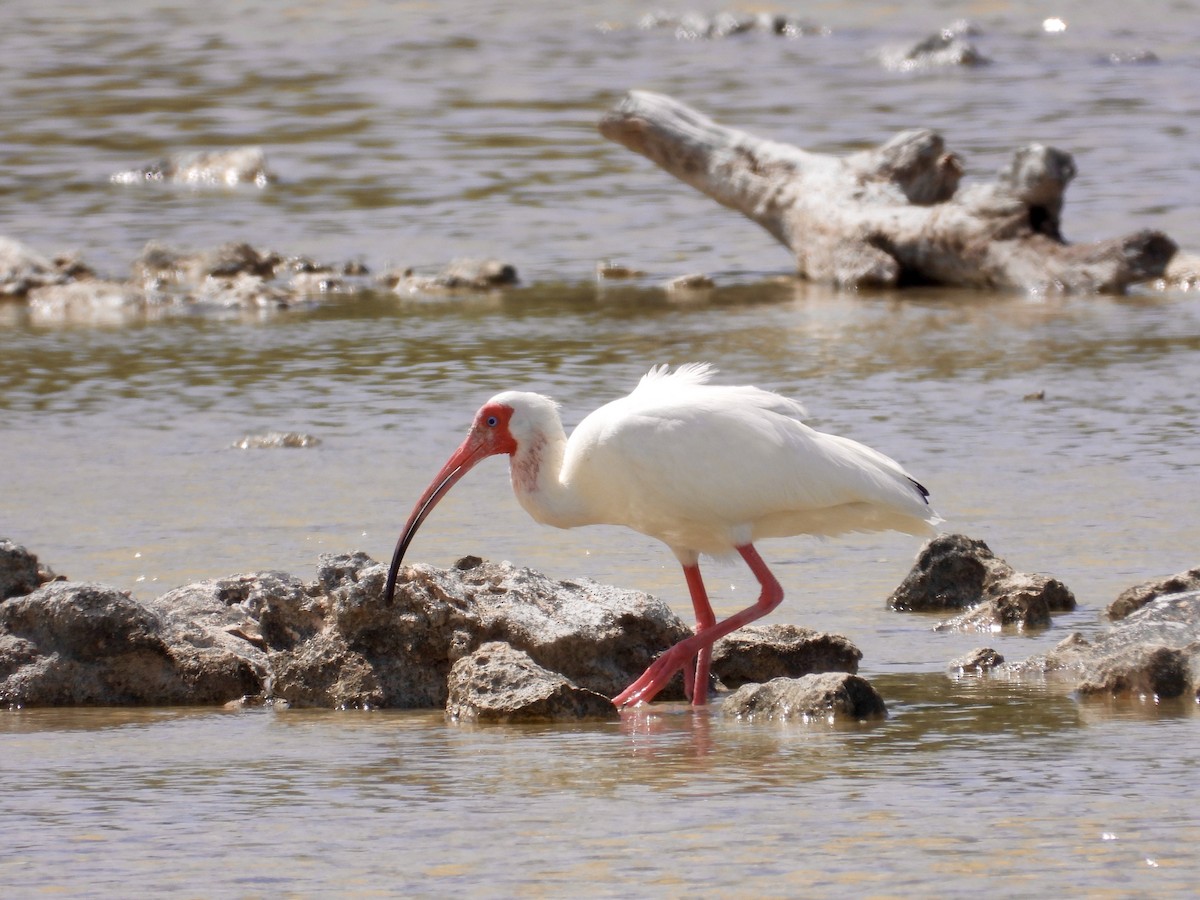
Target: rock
[[237, 275], [82, 620], [208, 168], [1182, 273], [1160, 672], [333, 643], [978, 661], [20, 571], [949, 573], [948, 47], [1019, 601], [232, 276], [22, 270], [274, 440], [497, 683], [1153, 651], [79, 643], [695, 26], [91, 300], [327, 282], [459, 275], [832, 695], [695, 282], [372, 655], [251, 614], [161, 267], [327, 672], [1139, 56], [953, 571], [1139, 595], [600, 637], [245, 291], [760, 653], [608, 270]]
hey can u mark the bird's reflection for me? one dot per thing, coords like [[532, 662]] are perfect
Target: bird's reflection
[[669, 730]]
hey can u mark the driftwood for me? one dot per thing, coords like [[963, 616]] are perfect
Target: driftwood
[[891, 215]]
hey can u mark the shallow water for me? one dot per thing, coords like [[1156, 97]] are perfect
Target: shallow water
[[978, 791], [412, 134]]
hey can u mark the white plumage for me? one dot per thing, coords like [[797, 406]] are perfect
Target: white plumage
[[704, 468]]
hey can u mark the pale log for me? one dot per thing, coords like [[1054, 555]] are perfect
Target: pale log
[[894, 214]]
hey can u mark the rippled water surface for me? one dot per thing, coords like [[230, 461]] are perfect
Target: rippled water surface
[[412, 134]]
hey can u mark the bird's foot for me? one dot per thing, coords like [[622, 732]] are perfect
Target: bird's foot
[[657, 676]]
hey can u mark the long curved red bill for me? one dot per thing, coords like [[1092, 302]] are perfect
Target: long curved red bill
[[460, 462]]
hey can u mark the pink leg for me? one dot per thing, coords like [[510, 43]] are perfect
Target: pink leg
[[697, 690], [655, 678]]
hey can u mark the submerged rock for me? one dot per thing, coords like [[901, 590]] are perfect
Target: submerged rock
[[1134, 598], [497, 683], [1139, 56], [244, 291], [233, 276], [90, 300], [1182, 273], [695, 26], [459, 275], [206, 168], [23, 269], [831, 695], [161, 267], [978, 661], [684, 283], [951, 46], [237, 275], [1153, 651], [275, 440], [954, 572], [611, 270]]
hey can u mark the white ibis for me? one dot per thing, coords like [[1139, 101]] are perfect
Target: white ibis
[[704, 468]]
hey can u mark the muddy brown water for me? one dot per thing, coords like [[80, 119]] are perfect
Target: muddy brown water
[[412, 134]]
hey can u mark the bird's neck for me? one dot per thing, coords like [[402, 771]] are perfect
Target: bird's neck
[[536, 468]]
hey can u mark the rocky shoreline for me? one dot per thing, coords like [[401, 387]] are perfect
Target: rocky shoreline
[[232, 276], [495, 642]]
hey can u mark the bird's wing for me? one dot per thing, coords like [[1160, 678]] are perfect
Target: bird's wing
[[732, 460]]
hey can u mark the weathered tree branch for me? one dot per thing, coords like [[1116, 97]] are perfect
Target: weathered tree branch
[[893, 214]]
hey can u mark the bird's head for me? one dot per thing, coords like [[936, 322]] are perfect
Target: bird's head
[[504, 424]]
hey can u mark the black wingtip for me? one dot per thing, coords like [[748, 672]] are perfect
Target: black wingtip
[[920, 487]]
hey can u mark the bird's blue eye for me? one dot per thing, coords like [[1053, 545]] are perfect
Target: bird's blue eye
[[492, 421]]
